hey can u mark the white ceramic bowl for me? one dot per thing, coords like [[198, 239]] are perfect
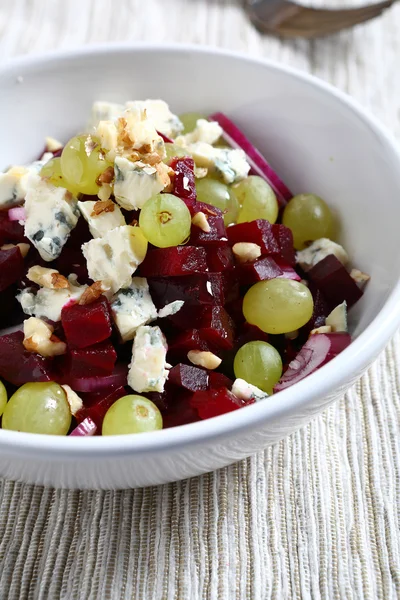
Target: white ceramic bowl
[[318, 139]]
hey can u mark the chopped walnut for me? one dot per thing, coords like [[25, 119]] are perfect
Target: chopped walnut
[[246, 251], [105, 192], [48, 278], [74, 401], [107, 176], [164, 172], [359, 277], [93, 292], [102, 206], [24, 248], [205, 359], [323, 329], [200, 220], [39, 338], [151, 159], [52, 145]]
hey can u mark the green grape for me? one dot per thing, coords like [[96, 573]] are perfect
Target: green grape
[[3, 397], [189, 121], [218, 194], [38, 408], [260, 364], [173, 150], [165, 220], [278, 305], [132, 414], [257, 199], [52, 172], [82, 161], [309, 218]]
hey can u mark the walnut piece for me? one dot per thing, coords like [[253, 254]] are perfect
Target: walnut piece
[[92, 293], [200, 220], [246, 252], [107, 176], [74, 401], [205, 359], [102, 206], [48, 278], [323, 329], [39, 338]]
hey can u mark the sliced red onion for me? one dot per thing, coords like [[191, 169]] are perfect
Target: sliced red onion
[[18, 213], [95, 384], [87, 427], [316, 352], [259, 165], [166, 139]]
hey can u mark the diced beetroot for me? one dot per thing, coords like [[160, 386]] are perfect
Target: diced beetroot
[[217, 328], [235, 310], [188, 377], [19, 366], [97, 383], [334, 281], [175, 261], [10, 308], [181, 412], [284, 237], [95, 405], [219, 380], [166, 139], [94, 360], [320, 311], [10, 231], [258, 232], [180, 345], [249, 333], [259, 270], [11, 267], [184, 185], [316, 352], [202, 288], [216, 402], [88, 324], [220, 258], [217, 234], [288, 271]]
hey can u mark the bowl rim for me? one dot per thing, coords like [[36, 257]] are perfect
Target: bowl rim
[[324, 381]]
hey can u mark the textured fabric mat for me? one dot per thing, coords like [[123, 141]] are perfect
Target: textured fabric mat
[[316, 516]]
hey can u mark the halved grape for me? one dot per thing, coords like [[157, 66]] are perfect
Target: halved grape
[[189, 121], [218, 194], [278, 305], [173, 150], [82, 161], [260, 364], [165, 220], [38, 408], [257, 198], [3, 397], [132, 414], [309, 218], [52, 172]]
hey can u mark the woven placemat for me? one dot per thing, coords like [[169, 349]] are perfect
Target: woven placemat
[[315, 516]]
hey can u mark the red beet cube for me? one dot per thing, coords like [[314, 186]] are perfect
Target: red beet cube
[[224, 287], [288, 271], [10, 231], [88, 324], [217, 233], [188, 377], [216, 328], [249, 333], [11, 267], [96, 404], [259, 270], [220, 258], [202, 288], [184, 342], [284, 237], [184, 185], [92, 361], [320, 311], [258, 232], [175, 261], [181, 412], [334, 281], [216, 402], [19, 366], [219, 380], [235, 310]]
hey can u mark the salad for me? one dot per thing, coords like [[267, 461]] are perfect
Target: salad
[[156, 271]]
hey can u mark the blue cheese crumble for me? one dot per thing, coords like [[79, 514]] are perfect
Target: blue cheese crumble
[[147, 371], [132, 307]]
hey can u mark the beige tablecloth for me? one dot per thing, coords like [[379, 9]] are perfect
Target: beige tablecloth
[[318, 515]]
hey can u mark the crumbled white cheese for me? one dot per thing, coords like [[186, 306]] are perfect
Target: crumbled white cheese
[[74, 401], [135, 182], [230, 163], [205, 359], [38, 337], [322, 329], [337, 319], [147, 371], [245, 391], [200, 220], [141, 131], [49, 278], [51, 214], [48, 303], [53, 145], [13, 186], [115, 257], [105, 111], [159, 113], [359, 277], [246, 251], [102, 223], [107, 132], [205, 131], [133, 307], [170, 309], [319, 250]]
